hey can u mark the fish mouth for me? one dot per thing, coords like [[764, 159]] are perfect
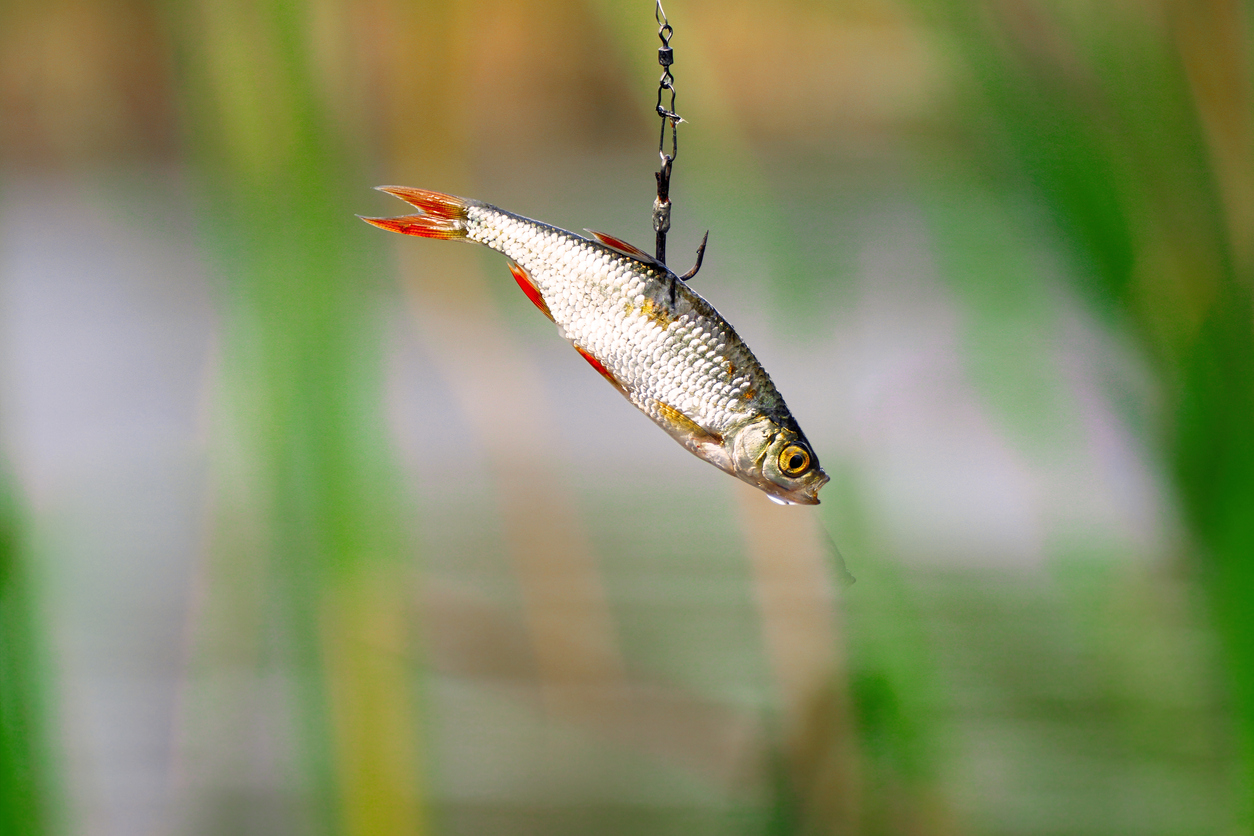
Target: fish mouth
[[803, 498], [807, 498], [793, 499], [806, 495]]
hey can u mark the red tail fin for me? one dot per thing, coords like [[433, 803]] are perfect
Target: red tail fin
[[439, 215]]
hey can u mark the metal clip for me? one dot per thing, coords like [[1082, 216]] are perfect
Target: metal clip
[[662, 205]]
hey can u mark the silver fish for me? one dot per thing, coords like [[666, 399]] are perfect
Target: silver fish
[[651, 336]]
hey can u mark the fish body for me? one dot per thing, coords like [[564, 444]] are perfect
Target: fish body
[[655, 339]]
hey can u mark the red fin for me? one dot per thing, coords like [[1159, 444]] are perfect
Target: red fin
[[426, 226], [529, 288], [600, 367], [439, 216], [428, 202], [620, 246]]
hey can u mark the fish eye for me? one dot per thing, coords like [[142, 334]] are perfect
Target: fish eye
[[794, 460]]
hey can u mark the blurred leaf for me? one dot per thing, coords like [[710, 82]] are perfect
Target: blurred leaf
[[24, 773], [1110, 112], [303, 373]]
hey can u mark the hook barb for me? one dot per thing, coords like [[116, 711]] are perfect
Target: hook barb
[[700, 256]]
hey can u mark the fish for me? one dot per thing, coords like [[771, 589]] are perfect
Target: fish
[[641, 327]]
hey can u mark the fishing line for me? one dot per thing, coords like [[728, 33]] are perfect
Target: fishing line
[[843, 575]]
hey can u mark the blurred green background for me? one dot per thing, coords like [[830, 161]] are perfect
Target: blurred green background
[[309, 529]]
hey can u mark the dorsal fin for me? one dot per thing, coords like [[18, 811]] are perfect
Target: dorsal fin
[[618, 245]]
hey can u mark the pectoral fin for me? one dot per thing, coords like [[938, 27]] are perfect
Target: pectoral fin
[[681, 426]]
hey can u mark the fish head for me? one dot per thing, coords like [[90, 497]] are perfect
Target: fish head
[[777, 459]]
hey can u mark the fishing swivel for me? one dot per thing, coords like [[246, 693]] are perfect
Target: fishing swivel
[[662, 204]]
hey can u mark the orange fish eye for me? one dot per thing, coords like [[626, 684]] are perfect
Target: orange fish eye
[[794, 460]]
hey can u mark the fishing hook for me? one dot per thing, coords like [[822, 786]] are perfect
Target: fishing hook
[[700, 255]]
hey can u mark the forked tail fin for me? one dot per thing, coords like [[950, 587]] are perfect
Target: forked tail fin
[[439, 215]]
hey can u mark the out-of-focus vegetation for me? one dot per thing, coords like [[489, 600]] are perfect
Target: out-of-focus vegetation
[[309, 557], [334, 536], [25, 792], [1134, 127]]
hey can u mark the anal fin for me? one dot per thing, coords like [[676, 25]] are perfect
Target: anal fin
[[529, 288]]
